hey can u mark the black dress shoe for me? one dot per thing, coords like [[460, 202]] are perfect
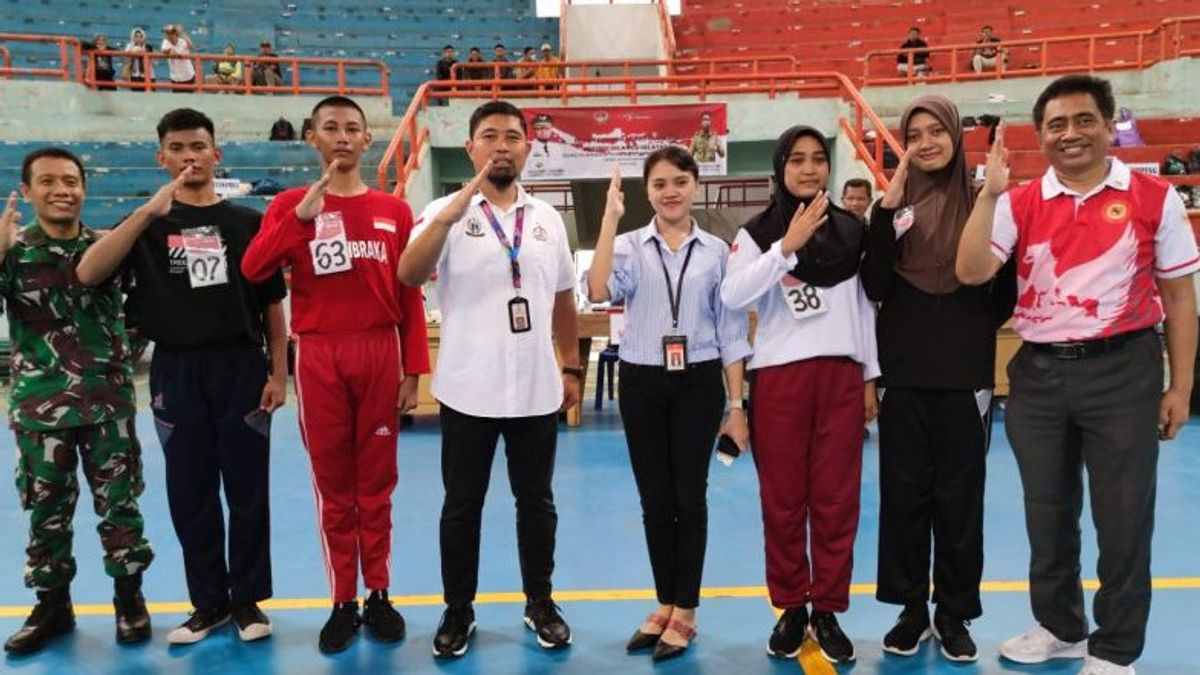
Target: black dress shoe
[[642, 640], [665, 650], [52, 616]]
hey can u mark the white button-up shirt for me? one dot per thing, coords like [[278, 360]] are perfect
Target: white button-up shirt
[[483, 368]]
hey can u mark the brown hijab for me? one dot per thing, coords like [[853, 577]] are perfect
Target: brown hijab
[[941, 203]]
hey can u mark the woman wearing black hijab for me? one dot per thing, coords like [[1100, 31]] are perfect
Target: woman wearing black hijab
[[814, 358], [937, 349]]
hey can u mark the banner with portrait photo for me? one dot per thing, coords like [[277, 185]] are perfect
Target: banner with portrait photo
[[585, 141]]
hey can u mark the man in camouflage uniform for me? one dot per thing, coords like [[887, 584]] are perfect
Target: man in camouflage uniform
[[706, 144], [71, 399]]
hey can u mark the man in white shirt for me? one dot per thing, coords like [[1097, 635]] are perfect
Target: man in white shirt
[[176, 43], [505, 287]]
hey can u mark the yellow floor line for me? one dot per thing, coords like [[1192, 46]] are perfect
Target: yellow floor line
[[602, 595]]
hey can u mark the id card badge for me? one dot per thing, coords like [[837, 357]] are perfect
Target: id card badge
[[205, 255], [675, 353], [329, 248], [804, 301], [903, 221], [518, 315]]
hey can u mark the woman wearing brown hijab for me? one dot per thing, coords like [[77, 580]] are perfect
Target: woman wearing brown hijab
[[937, 351]]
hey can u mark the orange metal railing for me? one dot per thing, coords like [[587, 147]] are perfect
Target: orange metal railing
[[74, 64], [760, 64], [668, 29], [66, 68], [293, 83], [1121, 50], [402, 155]]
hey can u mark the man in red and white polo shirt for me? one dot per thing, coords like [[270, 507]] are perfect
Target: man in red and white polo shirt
[[1103, 256]]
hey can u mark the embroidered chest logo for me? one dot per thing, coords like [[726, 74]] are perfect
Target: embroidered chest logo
[[539, 233], [1116, 212], [474, 227]]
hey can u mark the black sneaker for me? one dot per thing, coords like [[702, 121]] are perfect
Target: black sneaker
[[956, 641], [251, 623], [341, 628], [53, 615], [454, 632], [788, 635], [911, 629], [544, 619], [129, 607], [835, 646], [382, 619], [199, 625]]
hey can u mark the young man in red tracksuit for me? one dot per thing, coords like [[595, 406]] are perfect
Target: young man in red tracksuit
[[360, 348]]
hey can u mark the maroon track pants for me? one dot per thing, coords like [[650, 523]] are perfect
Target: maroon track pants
[[806, 421]]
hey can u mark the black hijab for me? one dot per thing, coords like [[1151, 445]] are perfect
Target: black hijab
[[832, 254]]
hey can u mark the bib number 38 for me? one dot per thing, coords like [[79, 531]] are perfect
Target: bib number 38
[[803, 300]]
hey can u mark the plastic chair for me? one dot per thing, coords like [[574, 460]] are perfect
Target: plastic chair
[[607, 361]]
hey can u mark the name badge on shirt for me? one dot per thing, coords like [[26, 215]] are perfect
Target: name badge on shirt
[[329, 248], [675, 353], [804, 301], [518, 315], [903, 221], [205, 255]]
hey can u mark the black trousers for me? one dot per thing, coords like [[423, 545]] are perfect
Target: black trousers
[[1101, 414], [932, 464], [468, 448], [671, 422], [205, 402]]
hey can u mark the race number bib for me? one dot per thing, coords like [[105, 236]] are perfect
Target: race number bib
[[205, 255], [329, 248], [803, 300]]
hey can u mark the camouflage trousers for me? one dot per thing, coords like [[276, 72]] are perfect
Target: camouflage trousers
[[48, 488]]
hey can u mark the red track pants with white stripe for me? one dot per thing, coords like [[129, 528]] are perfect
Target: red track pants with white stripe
[[347, 386]]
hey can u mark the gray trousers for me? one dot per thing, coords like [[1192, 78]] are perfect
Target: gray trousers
[[1100, 413]]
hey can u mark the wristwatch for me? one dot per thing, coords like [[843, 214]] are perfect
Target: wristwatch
[[734, 404], [576, 373]]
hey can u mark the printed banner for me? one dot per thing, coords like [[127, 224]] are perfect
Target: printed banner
[[584, 142]]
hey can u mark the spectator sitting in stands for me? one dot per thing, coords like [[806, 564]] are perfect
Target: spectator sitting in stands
[[474, 56], [920, 59], [528, 71], [228, 72], [137, 68], [445, 65], [266, 73], [549, 70], [987, 57], [103, 71], [504, 72], [445, 70], [177, 43]]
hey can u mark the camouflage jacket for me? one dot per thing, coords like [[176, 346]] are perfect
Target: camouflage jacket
[[70, 352]]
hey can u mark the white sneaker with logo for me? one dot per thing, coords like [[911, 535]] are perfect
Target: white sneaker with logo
[[1095, 666], [1038, 645]]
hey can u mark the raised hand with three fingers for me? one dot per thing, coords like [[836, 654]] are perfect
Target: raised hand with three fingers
[[804, 223]]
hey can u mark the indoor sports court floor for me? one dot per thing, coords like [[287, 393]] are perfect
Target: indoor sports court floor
[[603, 579]]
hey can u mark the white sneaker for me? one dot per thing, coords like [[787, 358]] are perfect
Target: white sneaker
[[198, 626], [1038, 645], [1095, 666]]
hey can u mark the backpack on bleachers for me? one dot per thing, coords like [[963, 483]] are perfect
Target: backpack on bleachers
[[1173, 165], [1127, 135], [1193, 160]]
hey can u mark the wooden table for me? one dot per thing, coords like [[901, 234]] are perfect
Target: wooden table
[[591, 325]]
